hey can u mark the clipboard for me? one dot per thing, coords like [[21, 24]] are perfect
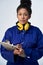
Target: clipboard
[[10, 47]]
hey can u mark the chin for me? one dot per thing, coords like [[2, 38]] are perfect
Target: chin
[[22, 22]]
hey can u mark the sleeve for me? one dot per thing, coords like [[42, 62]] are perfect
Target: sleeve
[[8, 55], [36, 53]]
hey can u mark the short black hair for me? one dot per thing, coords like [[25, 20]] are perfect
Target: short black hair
[[25, 4]]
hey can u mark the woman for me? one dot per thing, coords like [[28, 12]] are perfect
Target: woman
[[26, 37]]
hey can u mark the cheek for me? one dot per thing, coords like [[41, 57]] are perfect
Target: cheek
[[18, 17], [26, 18]]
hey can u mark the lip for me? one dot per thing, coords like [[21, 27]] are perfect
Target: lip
[[22, 20]]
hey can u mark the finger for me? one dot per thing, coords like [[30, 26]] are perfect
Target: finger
[[19, 45]]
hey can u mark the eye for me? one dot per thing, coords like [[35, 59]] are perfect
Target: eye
[[25, 14], [20, 14]]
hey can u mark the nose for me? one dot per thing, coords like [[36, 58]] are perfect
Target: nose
[[22, 16]]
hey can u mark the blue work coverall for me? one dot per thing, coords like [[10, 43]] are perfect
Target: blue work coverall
[[31, 41]]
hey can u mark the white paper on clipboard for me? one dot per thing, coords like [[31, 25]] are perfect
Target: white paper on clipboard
[[8, 46]]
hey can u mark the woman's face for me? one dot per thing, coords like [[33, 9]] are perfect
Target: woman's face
[[23, 16]]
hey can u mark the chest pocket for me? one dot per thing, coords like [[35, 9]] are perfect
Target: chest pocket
[[16, 39], [31, 40]]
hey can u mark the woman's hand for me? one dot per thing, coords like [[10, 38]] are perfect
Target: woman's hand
[[19, 51], [16, 51]]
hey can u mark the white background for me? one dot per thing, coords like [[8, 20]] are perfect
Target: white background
[[8, 18]]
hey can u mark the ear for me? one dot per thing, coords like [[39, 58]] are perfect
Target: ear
[[29, 17]]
